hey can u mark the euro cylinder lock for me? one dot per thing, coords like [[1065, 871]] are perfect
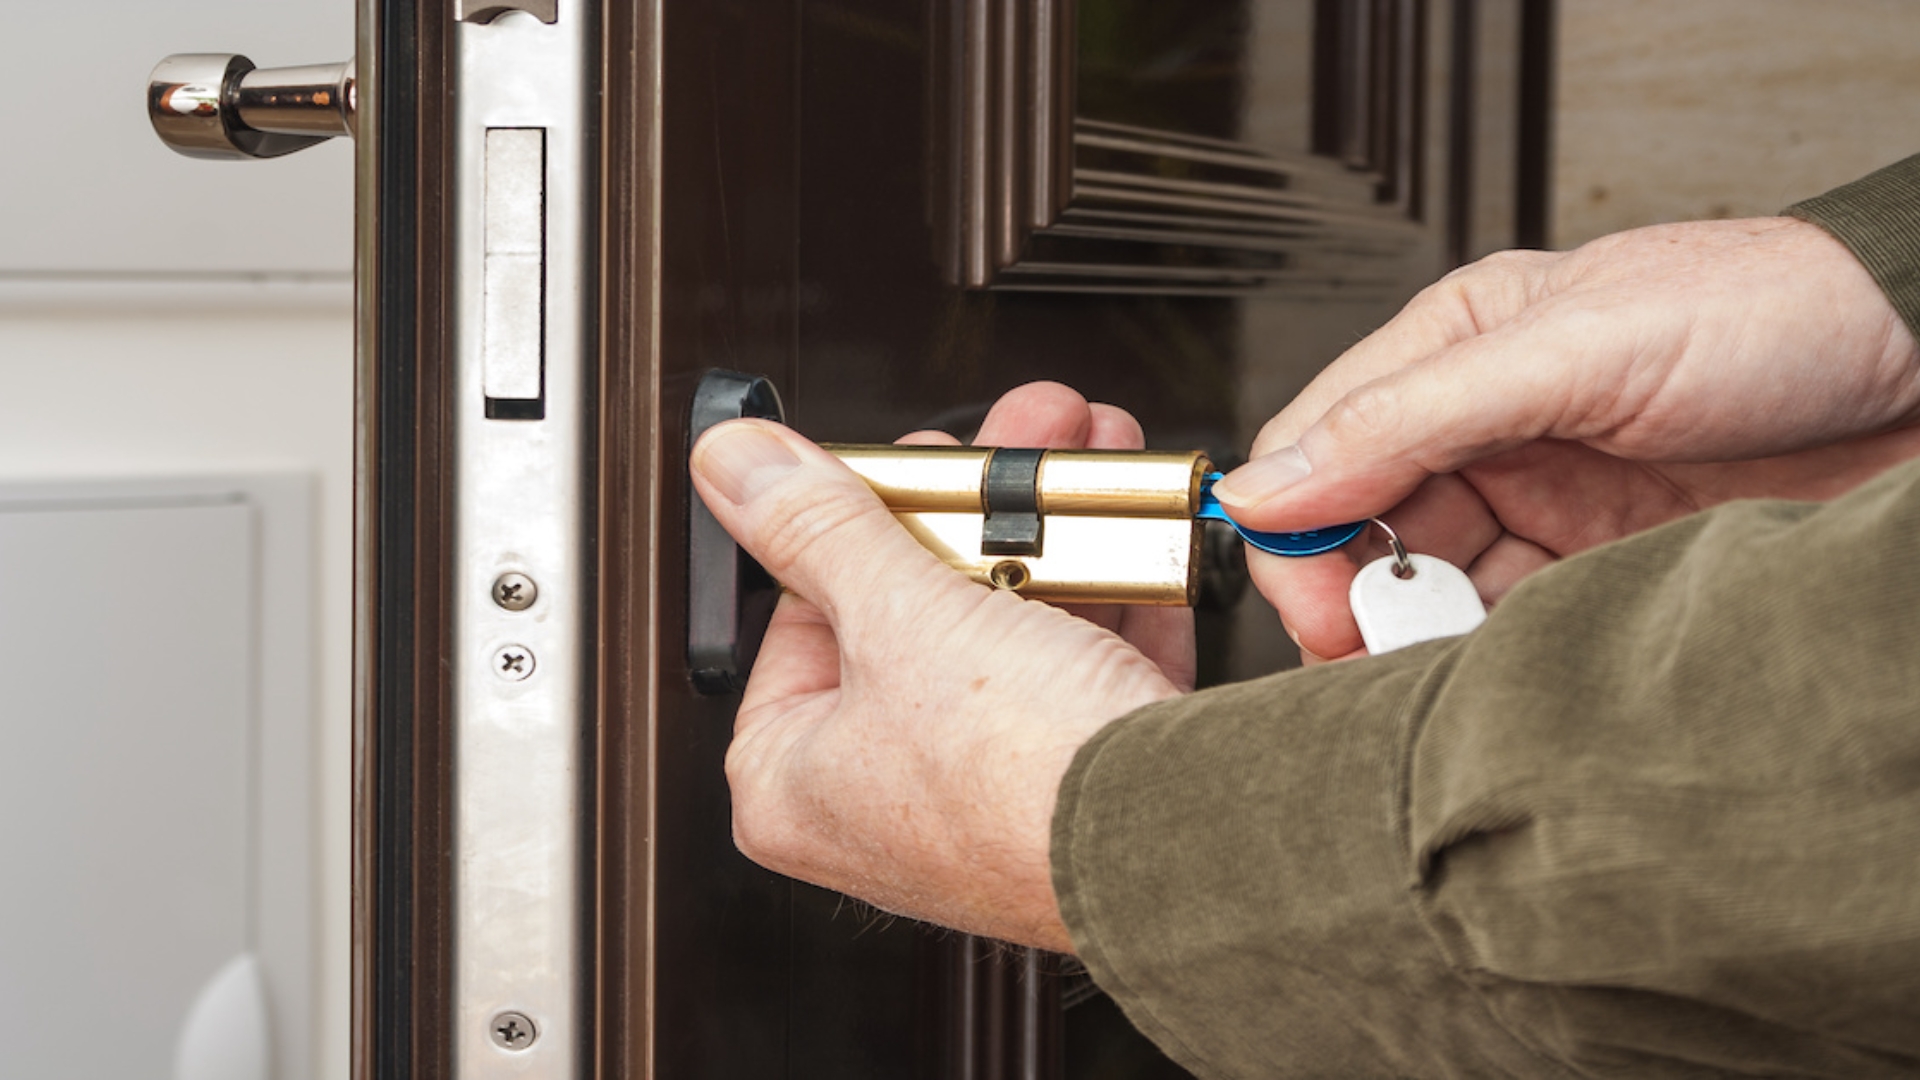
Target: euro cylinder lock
[[1104, 526], [1079, 526]]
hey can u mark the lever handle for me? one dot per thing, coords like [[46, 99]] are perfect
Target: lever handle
[[220, 106]]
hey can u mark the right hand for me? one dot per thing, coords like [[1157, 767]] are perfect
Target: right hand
[[1535, 404]]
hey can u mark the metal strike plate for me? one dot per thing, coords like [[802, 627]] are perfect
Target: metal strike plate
[[521, 213], [1114, 526]]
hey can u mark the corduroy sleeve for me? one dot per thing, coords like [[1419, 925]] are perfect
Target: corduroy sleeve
[[1659, 816], [1878, 218]]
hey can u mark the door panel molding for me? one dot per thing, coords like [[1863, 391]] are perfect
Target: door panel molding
[[403, 520], [630, 520], [1046, 198]]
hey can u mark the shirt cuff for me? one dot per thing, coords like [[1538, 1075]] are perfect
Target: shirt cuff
[[1878, 218]]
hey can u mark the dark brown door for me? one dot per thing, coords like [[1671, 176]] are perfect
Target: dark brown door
[[897, 211]]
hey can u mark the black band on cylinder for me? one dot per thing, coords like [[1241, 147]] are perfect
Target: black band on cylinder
[[1010, 492]]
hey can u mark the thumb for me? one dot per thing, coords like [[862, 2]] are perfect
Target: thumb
[[815, 526], [1377, 443]]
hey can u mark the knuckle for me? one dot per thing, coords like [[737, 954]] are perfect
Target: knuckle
[[752, 837], [750, 833], [1515, 261], [1367, 413], [1499, 267], [757, 830], [1282, 430], [1502, 281]]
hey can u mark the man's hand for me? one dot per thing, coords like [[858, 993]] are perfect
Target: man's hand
[[905, 730], [1535, 404]]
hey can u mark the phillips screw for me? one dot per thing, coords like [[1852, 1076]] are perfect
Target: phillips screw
[[515, 592], [512, 1031], [513, 663]]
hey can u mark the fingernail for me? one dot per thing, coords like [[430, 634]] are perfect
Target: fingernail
[[743, 460], [1264, 477]]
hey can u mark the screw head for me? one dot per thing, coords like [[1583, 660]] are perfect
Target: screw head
[[512, 1031], [515, 592], [513, 663]]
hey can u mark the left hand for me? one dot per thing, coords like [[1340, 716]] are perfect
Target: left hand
[[905, 730]]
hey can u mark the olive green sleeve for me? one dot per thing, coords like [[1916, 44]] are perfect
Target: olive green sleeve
[[1878, 218], [1659, 816]]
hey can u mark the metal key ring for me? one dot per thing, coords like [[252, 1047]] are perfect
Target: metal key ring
[[1402, 563]]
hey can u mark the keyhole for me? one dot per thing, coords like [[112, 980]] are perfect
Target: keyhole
[[1008, 575]]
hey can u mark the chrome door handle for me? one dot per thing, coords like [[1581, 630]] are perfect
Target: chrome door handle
[[219, 105]]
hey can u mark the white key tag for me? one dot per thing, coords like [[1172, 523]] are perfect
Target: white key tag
[[1404, 599]]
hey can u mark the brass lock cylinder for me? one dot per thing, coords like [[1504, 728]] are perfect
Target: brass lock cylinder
[[1099, 483], [1103, 526]]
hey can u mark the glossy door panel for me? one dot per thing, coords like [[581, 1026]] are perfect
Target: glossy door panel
[[815, 226]]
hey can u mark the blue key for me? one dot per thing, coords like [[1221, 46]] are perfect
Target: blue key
[[1293, 545]]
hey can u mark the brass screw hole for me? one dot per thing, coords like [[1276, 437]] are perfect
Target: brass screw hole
[[1009, 575]]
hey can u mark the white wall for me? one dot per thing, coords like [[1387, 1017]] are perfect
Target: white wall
[[1670, 111], [107, 393], [89, 189], [160, 315]]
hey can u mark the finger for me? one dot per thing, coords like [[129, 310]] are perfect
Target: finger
[[1165, 636], [799, 657], [1445, 518], [1567, 497], [1460, 309], [1470, 401], [822, 532], [1308, 659], [1311, 597], [1113, 428], [1041, 415], [1505, 564], [926, 438], [1465, 303]]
